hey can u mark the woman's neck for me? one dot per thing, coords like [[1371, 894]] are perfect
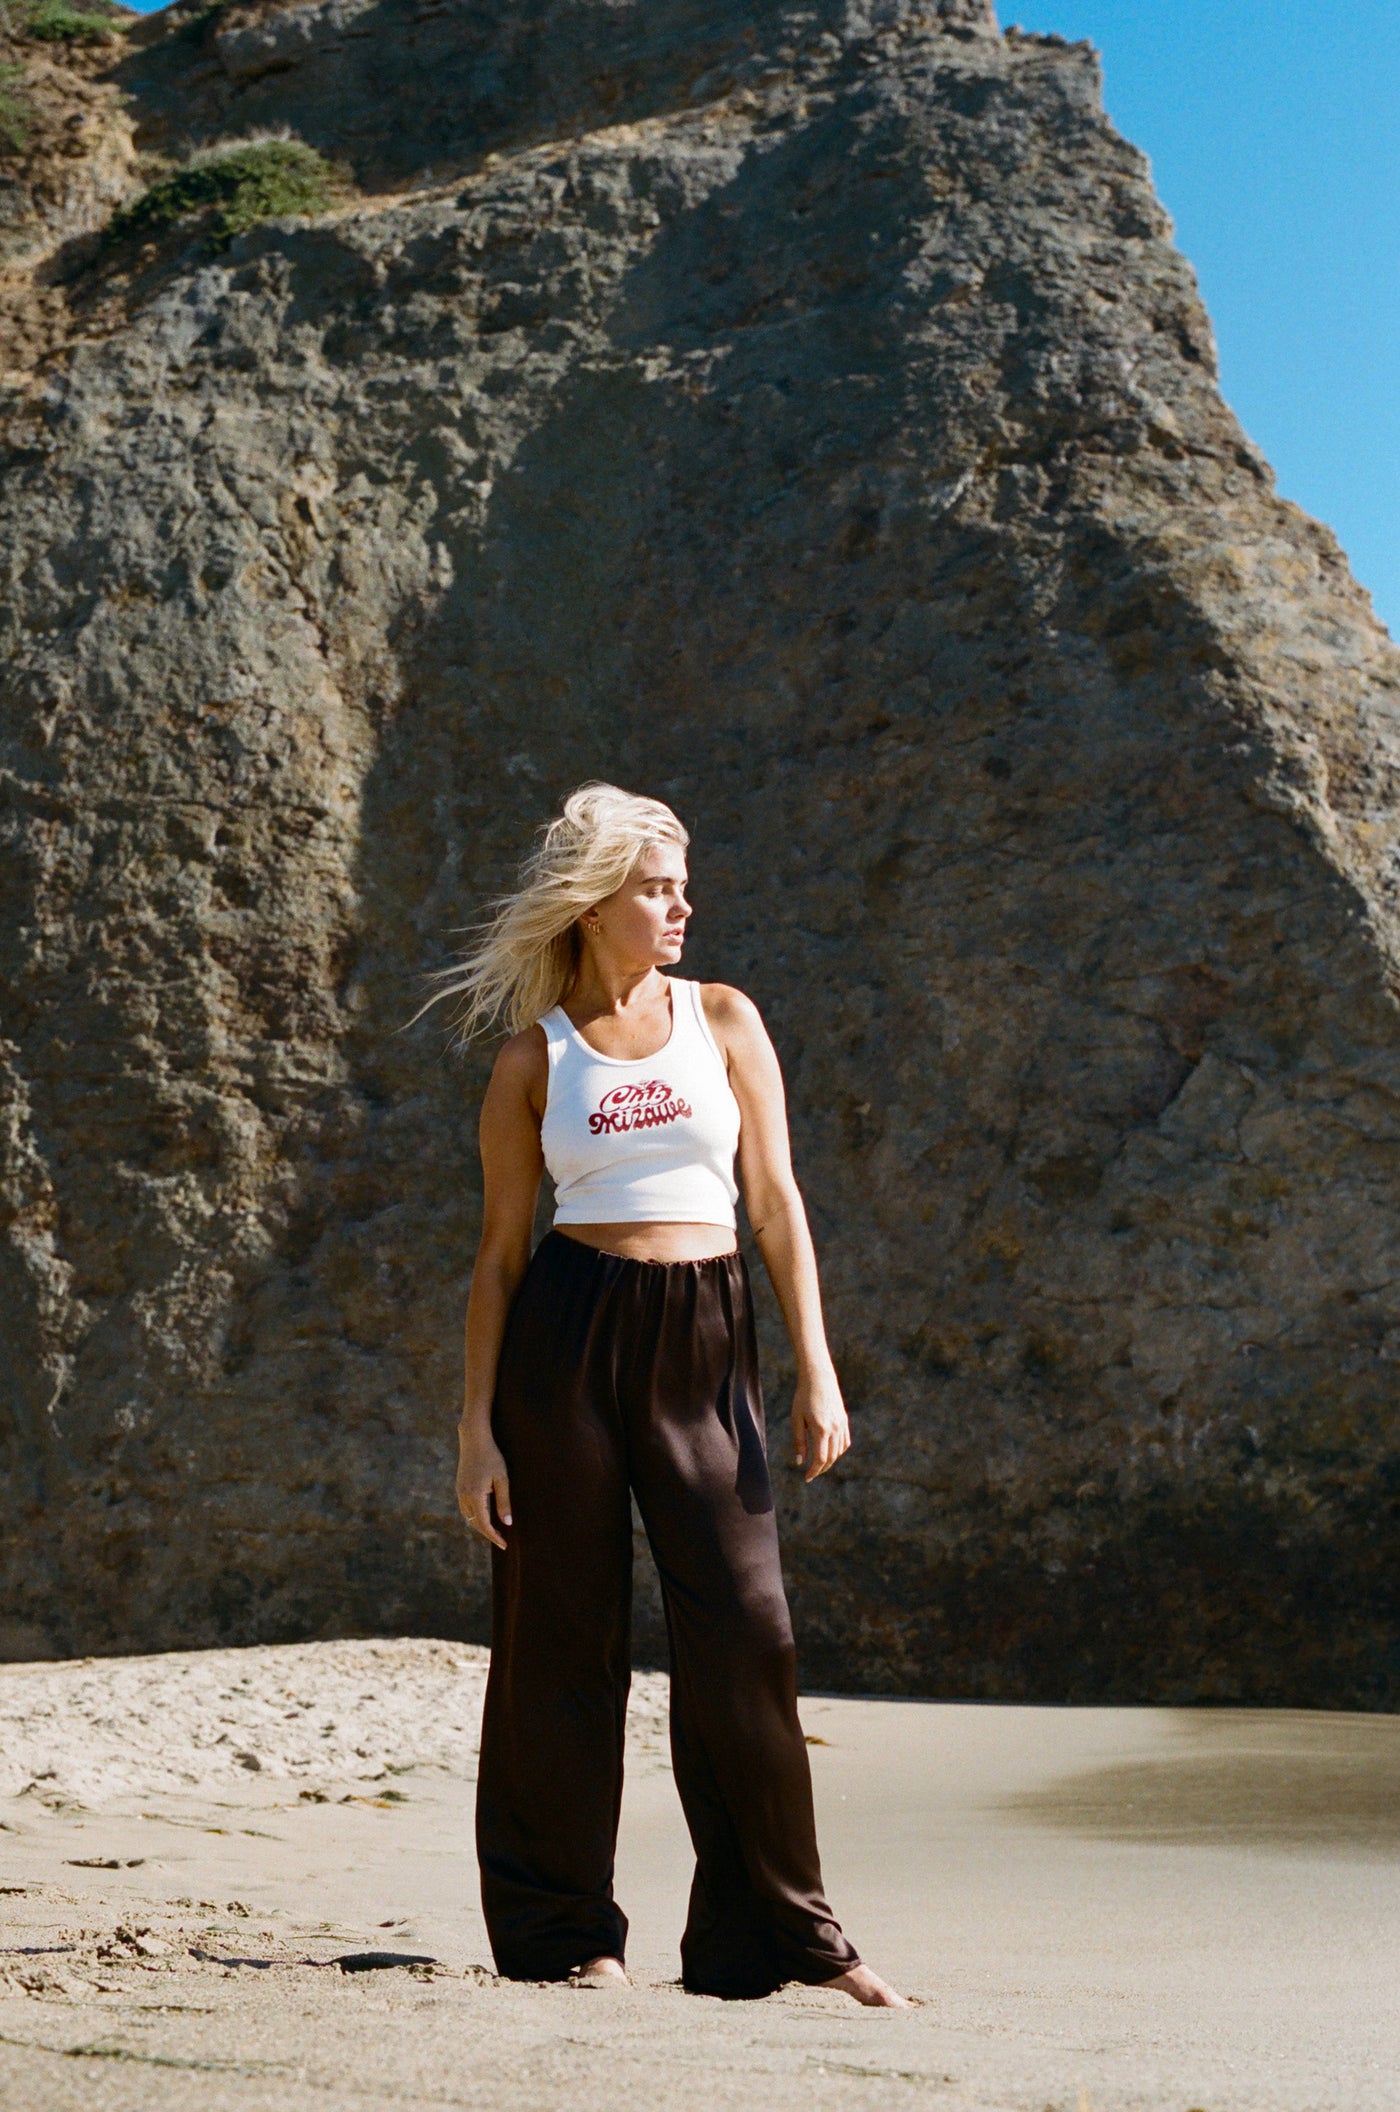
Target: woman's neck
[[600, 991]]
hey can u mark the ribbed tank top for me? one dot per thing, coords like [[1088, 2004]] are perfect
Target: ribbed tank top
[[641, 1140]]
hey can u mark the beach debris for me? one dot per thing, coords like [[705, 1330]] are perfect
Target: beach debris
[[379, 1961]]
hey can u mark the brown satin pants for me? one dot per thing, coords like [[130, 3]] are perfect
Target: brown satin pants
[[620, 1375]]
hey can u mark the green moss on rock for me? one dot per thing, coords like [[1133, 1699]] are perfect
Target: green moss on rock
[[59, 22], [15, 118], [233, 191]]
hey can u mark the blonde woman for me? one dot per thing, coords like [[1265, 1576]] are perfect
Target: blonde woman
[[620, 1358]]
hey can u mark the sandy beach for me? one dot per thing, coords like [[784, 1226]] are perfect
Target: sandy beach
[[1195, 1911]]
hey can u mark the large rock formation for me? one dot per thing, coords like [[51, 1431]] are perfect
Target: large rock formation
[[795, 408]]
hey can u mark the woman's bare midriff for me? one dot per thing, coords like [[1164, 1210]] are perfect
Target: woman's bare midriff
[[655, 1242]]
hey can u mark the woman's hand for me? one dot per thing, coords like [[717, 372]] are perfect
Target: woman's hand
[[481, 1476], [821, 1430]]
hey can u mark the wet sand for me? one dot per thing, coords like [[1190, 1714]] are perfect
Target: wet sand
[[1106, 1908]]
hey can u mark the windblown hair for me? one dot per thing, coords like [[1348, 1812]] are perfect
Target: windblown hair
[[526, 955]]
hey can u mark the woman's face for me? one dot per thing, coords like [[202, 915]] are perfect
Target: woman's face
[[642, 923]]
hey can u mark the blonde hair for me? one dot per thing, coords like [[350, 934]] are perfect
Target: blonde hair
[[528, 952]]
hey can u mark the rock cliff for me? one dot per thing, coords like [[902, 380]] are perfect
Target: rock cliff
[[797, 409]]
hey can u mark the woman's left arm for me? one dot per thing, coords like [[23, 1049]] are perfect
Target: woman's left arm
[[820, 1429]]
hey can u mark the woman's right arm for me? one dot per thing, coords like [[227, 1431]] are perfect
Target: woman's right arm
[[511, 1164]]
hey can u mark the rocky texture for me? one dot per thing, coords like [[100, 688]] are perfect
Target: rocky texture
[[66, 159], [69, 158], [798, 411]]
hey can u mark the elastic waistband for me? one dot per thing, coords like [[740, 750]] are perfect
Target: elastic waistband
[[559, 1244]]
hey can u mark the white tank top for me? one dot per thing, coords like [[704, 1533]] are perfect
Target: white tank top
[[646, 1139]]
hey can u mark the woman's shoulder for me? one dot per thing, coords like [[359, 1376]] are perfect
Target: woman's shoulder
[[724, 997], [523, 1061], [728, 1010]]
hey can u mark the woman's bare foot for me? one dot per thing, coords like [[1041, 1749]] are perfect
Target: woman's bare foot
[[869, 1988], [600, 1972]]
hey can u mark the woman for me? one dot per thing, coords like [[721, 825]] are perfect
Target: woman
[[621, 1358]]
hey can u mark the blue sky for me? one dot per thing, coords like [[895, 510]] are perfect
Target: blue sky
[[1273, 127]]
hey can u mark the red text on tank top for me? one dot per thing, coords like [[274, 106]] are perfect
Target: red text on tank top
[[646, 1105]]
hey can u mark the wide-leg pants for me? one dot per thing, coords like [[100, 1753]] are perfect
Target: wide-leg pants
[[614, 1376]]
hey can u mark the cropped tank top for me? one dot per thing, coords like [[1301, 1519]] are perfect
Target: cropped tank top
[[650, 1139]]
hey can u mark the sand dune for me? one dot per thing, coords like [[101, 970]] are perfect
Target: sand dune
[[313, 1713]]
